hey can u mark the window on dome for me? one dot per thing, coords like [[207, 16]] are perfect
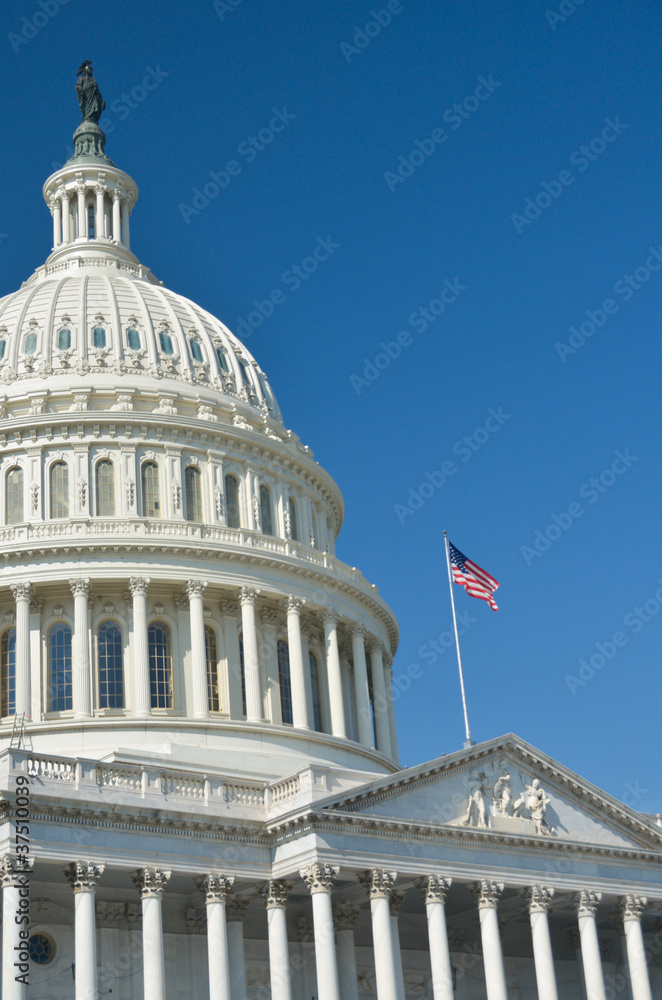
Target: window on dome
[[90, 222], [316, 691], [213, 682], [30, 345], [265, 511], [3, 346], [104, 476], [233, 518], [111, 666], [64, 339], [151, 490], [166, 343], [133, 338], [222, 359], [196, 351], [242, 673], [99, 337], [294, 529], [14, 496], [160, 665], [60, 687], [8, 671], [284, 682], [244, 372], [193, 489], [59, 480]]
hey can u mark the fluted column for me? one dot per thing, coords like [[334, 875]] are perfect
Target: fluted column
[[631, 908], [138, 585], [587, 903], [345, 916], [195, 589], [216, 888], [66, 217], [229, 611], [364, 716], [395, 902], [388, 683], [235, 911], [275, 895], [116, 215], [539, 900], [83, 877], [15, 881], [82, 682], [334, 675], [487, 893], [126, 234], [299, 704], [99, 190], [379, 885], [319, 879], [82, 215], [379, 702], [57, 222], [22, 593], [151, 883], [435, 889], [247, 597]]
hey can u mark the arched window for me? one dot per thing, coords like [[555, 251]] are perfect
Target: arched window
[[133, 338], [104, 474], [211, 652], [111, 673], [14, 495], [59, 479], [64, 339], [242, 672], [60, 689], [160, 665], [284, 682], [8, 671], [99, 337], [265, 511], [294, 528], [232, 501], [151, 490], [316, 691], [193, 489]]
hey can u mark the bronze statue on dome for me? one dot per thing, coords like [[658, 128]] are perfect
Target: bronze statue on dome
[[89, 97]]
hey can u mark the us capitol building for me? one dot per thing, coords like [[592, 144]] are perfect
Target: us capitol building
[[199, 770]]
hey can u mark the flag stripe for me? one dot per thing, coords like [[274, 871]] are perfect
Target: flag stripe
[[476, 581]]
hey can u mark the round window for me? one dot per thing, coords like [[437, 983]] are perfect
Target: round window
[[41, 948]]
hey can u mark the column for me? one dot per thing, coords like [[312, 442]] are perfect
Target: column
[[275, 895], [632, 907], [195, 589], [22, 593], [299, 705], [334, 674], [395, 902], [388, 683], [319, 879], [587, 905], [269, 654], [573, 934], [57, 221], [364, 715], [99, 221], [379, 885], [82, 215], [235, 911], [138, 585], [435, 889], [15, 881], [116, 215], [126, 237], [150, 883], [487, 893], [345, 916], [379, 702], [216, 888], [66, 217], [539, 900], [82, 682], [228, 611], [247, 597], [83, 877]]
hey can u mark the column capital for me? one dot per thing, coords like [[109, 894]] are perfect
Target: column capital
[[14, 871], [215, 886], [631, 906], [345, 916], [319, 878], [228, 608], [182, 602], [139, 585], [538, 898], [36, 605], [269, 617], [133, 914], [357, 631], [196, 920], [21, 590], [195, 588], [373, 645], [275, 893], [586, 902], [235, 908], [83, 876], [80, 587], [329, 616], [110, 914], [487, 893], [247, 595], [150, 882], [294, 604], [396, 900], [377, 882], [434, 888]]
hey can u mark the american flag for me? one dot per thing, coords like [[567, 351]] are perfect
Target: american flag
[[475, 580]]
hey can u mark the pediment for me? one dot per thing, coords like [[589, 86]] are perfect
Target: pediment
[[504, 787]]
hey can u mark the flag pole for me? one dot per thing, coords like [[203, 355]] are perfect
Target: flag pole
[[469, 742]]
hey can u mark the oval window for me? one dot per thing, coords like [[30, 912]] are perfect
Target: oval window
[[133, 339], [99, 337], [3, 344], [41, 949], [30, 343], [196, 351], [166, 343], [64, 339]]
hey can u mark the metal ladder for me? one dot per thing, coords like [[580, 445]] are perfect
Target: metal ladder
[[18, 732]]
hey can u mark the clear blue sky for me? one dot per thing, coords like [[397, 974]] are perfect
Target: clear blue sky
[[353, 108]]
